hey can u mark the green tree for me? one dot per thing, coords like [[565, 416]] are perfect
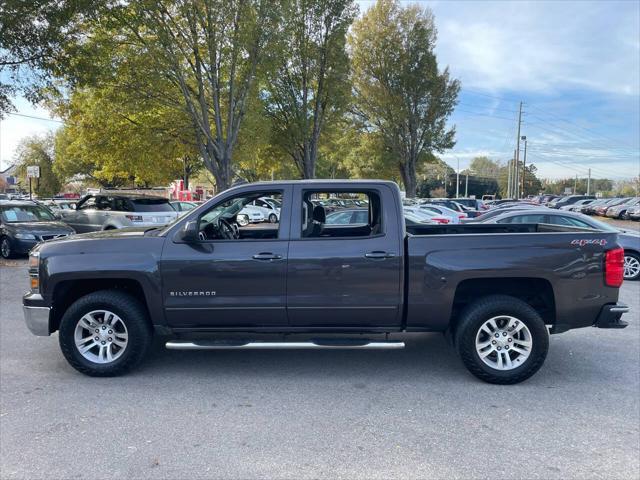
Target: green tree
[[399, 91], [113, 140], [310, 85], [212, 51], [32, 38], [39, 151]]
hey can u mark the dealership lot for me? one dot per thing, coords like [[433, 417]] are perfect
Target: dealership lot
[[302, 414]]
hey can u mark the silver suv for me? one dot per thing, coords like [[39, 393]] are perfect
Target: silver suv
[[106, 211]]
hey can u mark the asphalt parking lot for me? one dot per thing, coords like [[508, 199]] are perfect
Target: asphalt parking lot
[[308, 414]]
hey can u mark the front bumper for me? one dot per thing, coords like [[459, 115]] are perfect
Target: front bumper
[[609, 316], [21, 246], [36, 317]]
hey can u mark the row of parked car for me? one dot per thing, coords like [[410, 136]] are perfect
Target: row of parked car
[[623, 208]]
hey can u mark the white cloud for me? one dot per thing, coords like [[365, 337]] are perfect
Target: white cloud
[[541, 46]]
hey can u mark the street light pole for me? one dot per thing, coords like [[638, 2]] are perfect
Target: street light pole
[[458, 179]]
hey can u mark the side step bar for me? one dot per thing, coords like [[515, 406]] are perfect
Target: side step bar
[[213, 345]]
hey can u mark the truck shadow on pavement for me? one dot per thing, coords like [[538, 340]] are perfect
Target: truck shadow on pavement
[[427, 357]]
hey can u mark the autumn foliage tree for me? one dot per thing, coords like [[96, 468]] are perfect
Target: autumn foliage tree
[[399, 90]]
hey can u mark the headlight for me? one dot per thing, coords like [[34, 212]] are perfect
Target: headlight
[[34, 272], [25, 236]]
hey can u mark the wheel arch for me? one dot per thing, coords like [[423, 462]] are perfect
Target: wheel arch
[[536, 292], [67, 292]]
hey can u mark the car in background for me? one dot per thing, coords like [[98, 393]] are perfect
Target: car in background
[[498, 211], [628, 240], [454, 217], [569, 200], [601, 210], [576, 207], [427, 215], [620, 210], [268, 207], [634, 213], [472, 203], [348, 216], [183, 206], [24, 224], [113, 210], [590, 209], [413, 219], [249, 214]]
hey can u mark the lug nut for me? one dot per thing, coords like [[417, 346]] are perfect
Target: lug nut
[[104, 328], [110, 339], [506, 347], [97, 331], [494, 342], [511, 339], [504, 334], [110, 332], [497, 335], [103, 342], [97, 338], [499, 348]]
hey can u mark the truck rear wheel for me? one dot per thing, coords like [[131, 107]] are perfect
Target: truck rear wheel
[[105, 333], [501, 339]]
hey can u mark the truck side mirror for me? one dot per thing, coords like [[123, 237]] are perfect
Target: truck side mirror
[[189, 232]]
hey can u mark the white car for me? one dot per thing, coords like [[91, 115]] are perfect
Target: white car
[[249, 214], [444, 211], [269, 208]]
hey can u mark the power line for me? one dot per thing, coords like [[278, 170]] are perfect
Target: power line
[[34, 117]]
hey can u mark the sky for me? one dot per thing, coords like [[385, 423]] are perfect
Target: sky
[[575, 66]]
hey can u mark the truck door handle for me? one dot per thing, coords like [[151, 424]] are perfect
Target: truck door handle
[[379, 255], [266, 256]]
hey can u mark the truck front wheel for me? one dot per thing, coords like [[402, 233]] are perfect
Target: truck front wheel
[[501, 339], [105, 333]]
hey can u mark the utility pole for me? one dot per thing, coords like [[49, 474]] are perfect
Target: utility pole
[[466, 186], [516, 172], [458, 180], [524, 164], [575, 185], [589, 183], [509, 178]]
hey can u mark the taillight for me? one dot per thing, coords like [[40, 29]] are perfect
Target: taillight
[[441, 220], [614, 267]]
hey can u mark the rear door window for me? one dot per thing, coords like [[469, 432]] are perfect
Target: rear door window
[[152, 205], [524, 219]]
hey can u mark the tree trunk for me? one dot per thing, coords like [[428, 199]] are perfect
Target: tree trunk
[[409, 179]]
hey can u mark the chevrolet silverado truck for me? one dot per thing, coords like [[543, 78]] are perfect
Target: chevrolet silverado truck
[[205, 282]]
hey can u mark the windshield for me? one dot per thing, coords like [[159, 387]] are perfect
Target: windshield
[[26, 213]]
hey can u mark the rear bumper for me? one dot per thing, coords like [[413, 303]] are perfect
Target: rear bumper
[[609, 316]]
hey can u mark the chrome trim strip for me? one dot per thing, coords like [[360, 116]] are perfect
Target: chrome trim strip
[[281, 346], [37, 320]]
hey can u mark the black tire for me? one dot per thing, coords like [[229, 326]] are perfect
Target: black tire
[[6, 250], [131, 312], [637, 258], [476, 314], [273, 218]]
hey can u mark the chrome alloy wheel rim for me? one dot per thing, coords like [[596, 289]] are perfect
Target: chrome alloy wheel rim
[[631, 266], [101, 336], [503, 342]]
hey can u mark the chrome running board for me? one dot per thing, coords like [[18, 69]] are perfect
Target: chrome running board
[[213, 345]]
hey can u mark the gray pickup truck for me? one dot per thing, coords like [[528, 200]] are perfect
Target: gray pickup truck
[[496, 291]]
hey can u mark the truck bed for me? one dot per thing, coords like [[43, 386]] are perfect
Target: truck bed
[[443, 261]]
